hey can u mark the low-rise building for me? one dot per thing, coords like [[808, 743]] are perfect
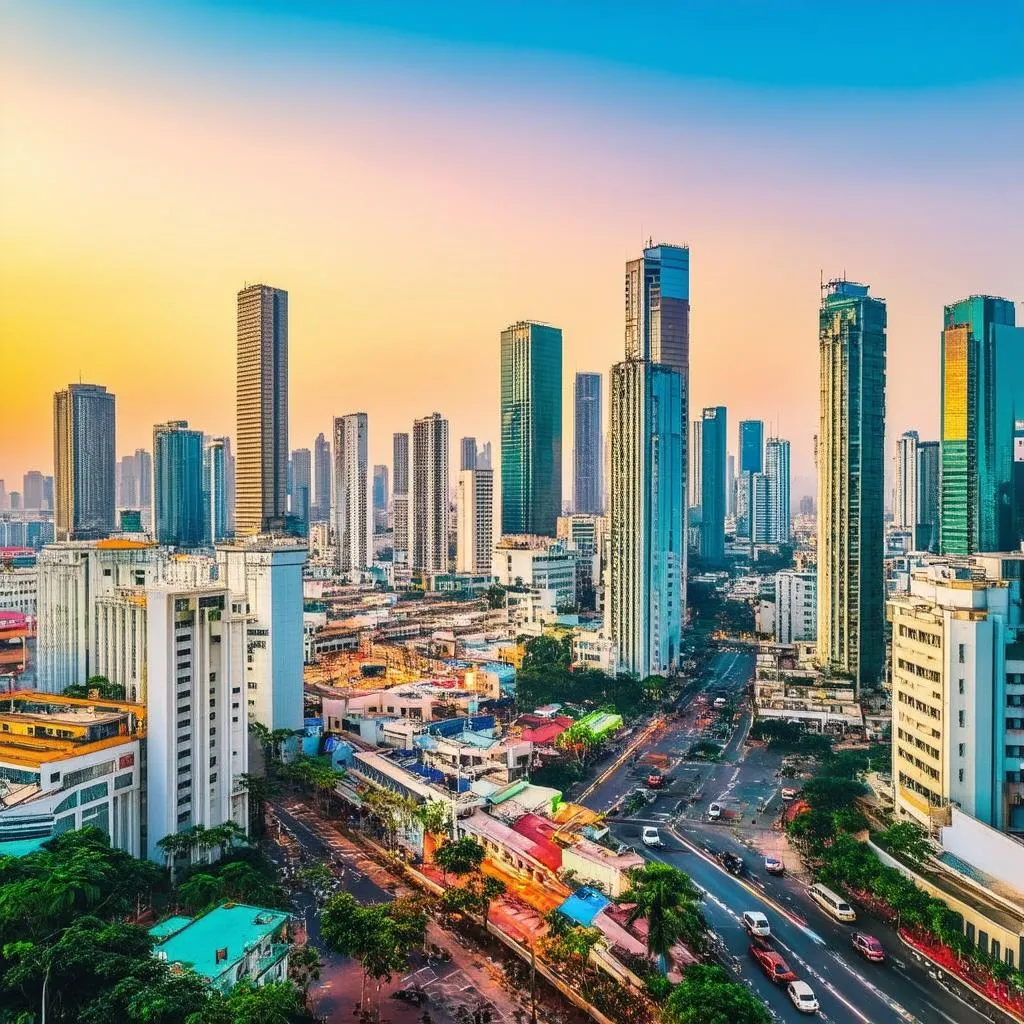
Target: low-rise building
[[595, 649], [597, 865], [18, 589], [796, 607], [231, 943], [538, 563], [66, 763]]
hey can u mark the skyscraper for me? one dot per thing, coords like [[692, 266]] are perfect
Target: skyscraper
[[215, 494], [302, 487], [483, 456], [178, 484], [759, 512], [127, 482], [730, 485], [927, 531], [751, 446], [381, 496], [324, 475], [32, 489], [400, 497], [776, 471], [696, 470], [351, 491], [475, 521], [467, 453], [851, 473], [428, 500], [905, 513], [262, 409], [84, 462], [588, 440], [712, 521], [648, 518], [144, 477], [531, 428], [982, 403]]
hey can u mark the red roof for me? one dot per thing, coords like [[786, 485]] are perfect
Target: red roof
[[546, 730], [539, 830]]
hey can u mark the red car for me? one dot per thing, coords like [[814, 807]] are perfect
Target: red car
[[655, 780], [771, 962], [868, 946]]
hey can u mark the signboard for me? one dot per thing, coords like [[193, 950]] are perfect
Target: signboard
[[1018, 448], [126, 761]]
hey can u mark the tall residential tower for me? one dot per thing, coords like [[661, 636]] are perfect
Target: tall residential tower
[[588, 441], [351, 492]]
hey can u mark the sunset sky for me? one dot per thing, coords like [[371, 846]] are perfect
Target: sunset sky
[[419, 175]]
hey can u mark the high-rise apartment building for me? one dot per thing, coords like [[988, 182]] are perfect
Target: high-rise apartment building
[[351, 492], [428, 497], [324, 469], [588, 443], [796, 606], [751, 446], [730, 486], [467, 453], [381, 497], [178, 484], [483, 456], [32, 489], [904, 515], [531, 428], [759, 510], [776, 470], [851, 473], [928, 472], [144, 476], [400, 497], [714, 434], [696, 470], [982, 473], [127, 482], [215, 497], [475, 521], [648, 517], [302, 488], [262, 409], [84, 462]]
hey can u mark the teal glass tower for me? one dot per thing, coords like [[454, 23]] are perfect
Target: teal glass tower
[[178, 484], [215, 509], [982, 410], [531, 428], [713, 436], [851, 475]]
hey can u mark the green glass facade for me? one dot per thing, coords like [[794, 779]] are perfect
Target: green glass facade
[[982, 403], [531, 429], [178, 484]]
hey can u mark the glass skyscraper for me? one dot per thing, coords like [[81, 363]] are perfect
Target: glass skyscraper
[[712, 489], [215, 491], [178, 484], [324, 471], [588, 442], [302, 488], [851, 482], [776, 471], [85, 467], [531, 428], [982, 403], [751, 446]]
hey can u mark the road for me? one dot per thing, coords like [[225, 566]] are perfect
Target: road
[[849, 989]]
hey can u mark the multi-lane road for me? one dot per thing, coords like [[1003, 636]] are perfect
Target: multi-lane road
[[850, 990]]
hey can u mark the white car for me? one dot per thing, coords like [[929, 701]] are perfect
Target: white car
[[756, 923], [715, 811], [651, 837], [802, 997]]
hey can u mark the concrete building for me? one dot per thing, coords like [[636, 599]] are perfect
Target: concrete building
[[302, 489], [32, 489], [467, 453], [261, 472], [531, 428], [178, 484], [648, 520], [851, 482], [400, 497], [19, 588], [537, 562], [788, 691], [588, 442], [796, 607], [714, 434], [382, 498], [958, 694], [324, 469], [67, 763], [586, 535], [475, 521], [428, 500], [351, 492], [84, 462], [776, 468]]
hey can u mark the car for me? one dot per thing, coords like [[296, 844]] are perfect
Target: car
[[788, 793], [774, 865], [651, 836], [655, 780], [715, 811], [732, 863], [868, 946], [756, 924], [802, 996], [771, 962]]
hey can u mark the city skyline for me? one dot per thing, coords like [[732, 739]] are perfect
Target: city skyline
[[732, 219]]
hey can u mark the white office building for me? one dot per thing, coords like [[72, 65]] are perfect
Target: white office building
[[776, 469], [475, 521], [796, 607], [18, 590], [352, 522], [539, 563]]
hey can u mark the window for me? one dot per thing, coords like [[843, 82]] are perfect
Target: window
[[962, 653], [962, 749], [123, 781], [960, 775], [960, 685], [94, 792], [55, 776], [961, 718]]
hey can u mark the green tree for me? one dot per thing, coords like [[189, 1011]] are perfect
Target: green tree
[[104, 687], [707, 995], [199, 891], [304, 966], [907, 840], [670, 903], [260, 789], [276, 1003], [459, 856], [435, 817]]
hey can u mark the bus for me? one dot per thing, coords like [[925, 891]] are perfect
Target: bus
[[833, 904]]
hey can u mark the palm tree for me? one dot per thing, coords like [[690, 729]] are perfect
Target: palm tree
[[173, 846], [670, 903]]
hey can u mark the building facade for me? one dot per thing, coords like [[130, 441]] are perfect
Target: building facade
[[178, 484], [796, 607], [400, 498], [324, 470], [85, 467], [428, 499], [302, 489], [531, 428], [215, 490], [467, 454], [475, 520], [776, 468], [537, 562], [714, 437], [351, 492], [261, 473], [588, 444], [851, 474]]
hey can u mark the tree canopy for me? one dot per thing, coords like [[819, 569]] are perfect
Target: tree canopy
[[707, 995]]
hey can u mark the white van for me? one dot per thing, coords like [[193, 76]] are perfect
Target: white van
[[832, 903], [756, 923], [715, 812]]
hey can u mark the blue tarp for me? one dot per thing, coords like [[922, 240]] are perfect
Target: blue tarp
[[584, 905]]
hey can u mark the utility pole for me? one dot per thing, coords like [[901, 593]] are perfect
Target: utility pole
[[533, 983]]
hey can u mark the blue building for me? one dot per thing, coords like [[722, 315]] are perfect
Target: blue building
[[178, 484], [712, 490], [531, 428], [588, 442], [751, 446], [215, 506]]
